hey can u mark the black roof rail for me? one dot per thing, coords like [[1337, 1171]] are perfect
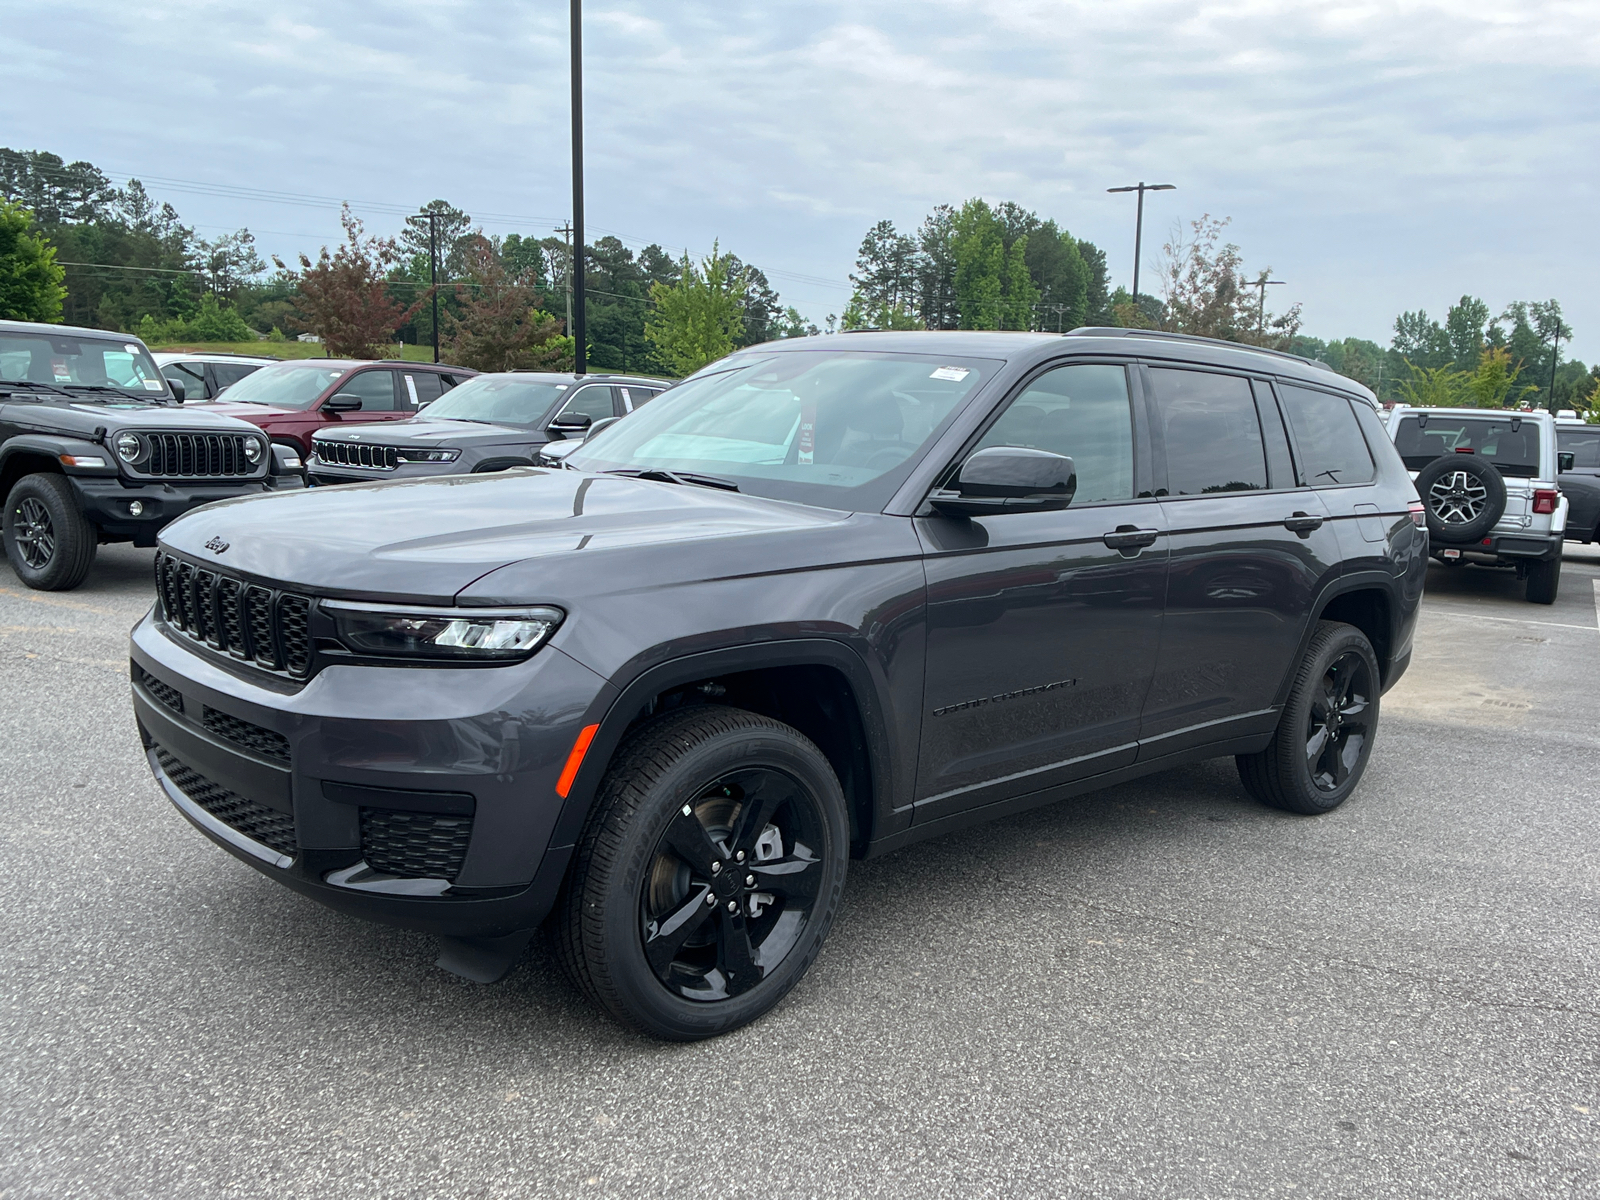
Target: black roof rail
[[1196, 339]]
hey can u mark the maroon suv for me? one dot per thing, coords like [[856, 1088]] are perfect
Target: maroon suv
[[293, 400]]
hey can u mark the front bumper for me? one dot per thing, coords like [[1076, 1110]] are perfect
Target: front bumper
[[418, 797], [107, 502]]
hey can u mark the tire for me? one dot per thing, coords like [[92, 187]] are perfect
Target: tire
[[1464, 496], [50, 544], [1303, 770], [1544, 581], [764, 808]]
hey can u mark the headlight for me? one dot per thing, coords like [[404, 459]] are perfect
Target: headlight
[[482, 635], [130, 447], [420, 456], [252, 450]]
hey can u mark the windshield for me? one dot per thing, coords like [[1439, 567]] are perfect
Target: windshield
[[70, 361], [509, 399], [1510, 442], [836, 429], [285, 385], [1584, 445]]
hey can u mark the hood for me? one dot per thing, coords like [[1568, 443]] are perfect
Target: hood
[[253, 412], [420, 431], [427, 539], [83, 419]]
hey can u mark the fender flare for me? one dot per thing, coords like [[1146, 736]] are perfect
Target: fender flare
[[1360, 581], [53, 446], [616, 708]]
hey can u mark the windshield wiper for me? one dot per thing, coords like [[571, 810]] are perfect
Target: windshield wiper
[[32, 383], [683, 477], [107, 387]]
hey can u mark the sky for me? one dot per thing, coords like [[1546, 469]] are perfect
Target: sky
[[1379, 157]]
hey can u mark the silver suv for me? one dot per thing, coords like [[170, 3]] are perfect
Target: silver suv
[[1488, 481]]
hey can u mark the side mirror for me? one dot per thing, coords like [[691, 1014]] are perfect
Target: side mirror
[[571, 423], [1564, 460], [602, 423], [1000, 479], [177, 389], [343, 402]]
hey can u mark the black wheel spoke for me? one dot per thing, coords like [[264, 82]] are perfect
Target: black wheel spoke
[[795, 877], [690, 842], [664, 937], [736, 957], [1315, 746], [761, 801]]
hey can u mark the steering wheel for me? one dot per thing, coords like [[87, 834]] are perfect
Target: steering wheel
[[889, 456]]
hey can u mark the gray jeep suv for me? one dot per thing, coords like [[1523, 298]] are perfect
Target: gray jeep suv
[[828, 597]]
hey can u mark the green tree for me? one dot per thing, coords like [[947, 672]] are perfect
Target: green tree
[[993, 289], [1433, 387], [1464, 326], [30, 279], [500, 325], [1490, 383], [698, 319]]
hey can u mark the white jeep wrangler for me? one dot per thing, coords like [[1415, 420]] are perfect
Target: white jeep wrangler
[[1487, 478]]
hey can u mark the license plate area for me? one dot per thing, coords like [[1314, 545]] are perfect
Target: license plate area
[[1449, 554]]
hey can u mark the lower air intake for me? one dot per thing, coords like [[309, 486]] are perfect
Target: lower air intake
[[414, 845], [257, 822]]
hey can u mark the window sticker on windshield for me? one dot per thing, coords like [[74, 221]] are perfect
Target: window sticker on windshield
[[953, 374], [131, 348], [807, 443], [152, 385]]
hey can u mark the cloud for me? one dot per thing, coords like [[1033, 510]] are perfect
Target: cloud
[[1379, 155]]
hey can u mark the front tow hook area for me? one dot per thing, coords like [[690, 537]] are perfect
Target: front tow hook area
[[482, 960]]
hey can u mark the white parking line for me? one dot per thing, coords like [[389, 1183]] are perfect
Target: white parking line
[[1472, 616]]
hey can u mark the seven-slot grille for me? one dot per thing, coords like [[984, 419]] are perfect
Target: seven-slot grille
[[198, 455], [357, 454], [254, 624]]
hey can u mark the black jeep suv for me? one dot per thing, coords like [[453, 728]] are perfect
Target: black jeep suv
[[488, 423], [93, 449], [827, 597]]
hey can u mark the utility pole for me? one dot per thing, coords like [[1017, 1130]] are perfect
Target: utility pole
[[1138, 225], [566, 240], [578, 328], [1261, 311], [1555, 351], [433, 275]]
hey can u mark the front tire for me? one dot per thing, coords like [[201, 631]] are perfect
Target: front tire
[[708, 873], [1324, 737], [1544, 581], [50, 544]]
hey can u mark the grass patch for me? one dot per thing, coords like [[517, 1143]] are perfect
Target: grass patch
[[280, 349]]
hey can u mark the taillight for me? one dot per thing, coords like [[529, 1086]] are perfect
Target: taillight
[[1544, 500], [1419, 516]]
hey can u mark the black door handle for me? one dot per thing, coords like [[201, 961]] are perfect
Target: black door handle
[[1130, 537], [1302, 523]]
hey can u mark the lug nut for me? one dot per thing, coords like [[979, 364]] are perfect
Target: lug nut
[[733, 906], [710, 899], [739, 856], [749, 881], [716, 868]]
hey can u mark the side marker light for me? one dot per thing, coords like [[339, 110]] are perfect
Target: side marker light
[[575, 759]]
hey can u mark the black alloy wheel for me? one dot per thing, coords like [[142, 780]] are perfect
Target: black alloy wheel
[[50, 544], [1337, 727], [1326, 730], [707, 875], [732, 884]]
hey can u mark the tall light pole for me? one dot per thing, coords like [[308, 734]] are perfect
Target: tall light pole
[[433, 275], [1261, 311], [1138, 224], [579, 330], [1555, 352]]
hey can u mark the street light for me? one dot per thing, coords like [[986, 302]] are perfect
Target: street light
[[579, 330], [1261, 312], [1138, 227]]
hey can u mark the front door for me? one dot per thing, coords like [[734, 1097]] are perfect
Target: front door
[[1250, 551], [1042, 636], [379, 399]]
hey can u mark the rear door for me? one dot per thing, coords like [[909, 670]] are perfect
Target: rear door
[[1250, 550], [1042, 636], [1581, 485]]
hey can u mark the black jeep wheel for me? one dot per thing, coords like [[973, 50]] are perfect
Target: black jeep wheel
[[50, 544], [1544, 581], [1324, 737], [1464, 495], [708, 873]]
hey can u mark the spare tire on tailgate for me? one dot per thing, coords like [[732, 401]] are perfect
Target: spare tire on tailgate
[[1464, 495]]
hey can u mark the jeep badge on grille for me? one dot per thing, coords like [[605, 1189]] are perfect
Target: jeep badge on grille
[[216, 545]]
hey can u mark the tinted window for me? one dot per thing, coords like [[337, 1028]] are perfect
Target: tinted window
[[293, 385], [644, 395], [427, 386], [1511, 443], [191, 376], [1583, 444], [376, 389], [1212, 435], [1332, 450], [67, 360], [593, 402], [1081, 411], [228, 374], [514, 399]]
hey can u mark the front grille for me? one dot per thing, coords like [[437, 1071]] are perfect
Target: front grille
[[414, 845], [357, 454], [198, 455], [256, 821], [269, 628], [160, 692], [244, 733]]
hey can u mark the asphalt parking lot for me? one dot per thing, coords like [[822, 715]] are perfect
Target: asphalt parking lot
[[1158, 990]]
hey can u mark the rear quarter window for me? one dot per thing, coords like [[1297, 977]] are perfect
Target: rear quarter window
[[1332, 449]]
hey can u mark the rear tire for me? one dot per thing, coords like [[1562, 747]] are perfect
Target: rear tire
[[1316, 759], [50, 544], [1544, 581], [706, 808]]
